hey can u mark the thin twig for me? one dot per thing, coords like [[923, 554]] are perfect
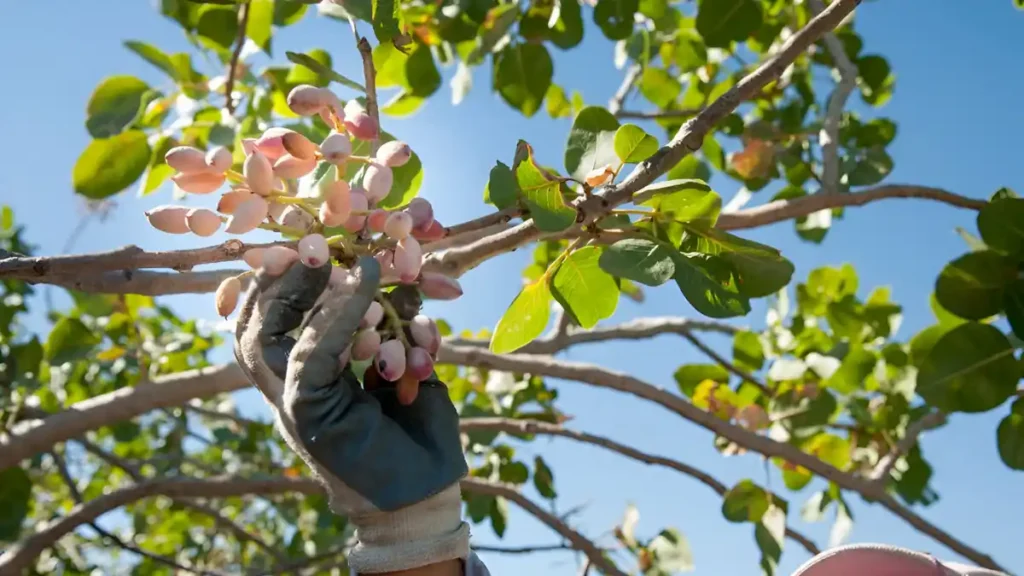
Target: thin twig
[[513, 426], [579, 542], [829, 137], [522, 549], [229, 86], [370, 75], [661, 114], [628, 82], [885, 465], [743, 374]]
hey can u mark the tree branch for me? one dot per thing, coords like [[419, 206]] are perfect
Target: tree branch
[[885, 465], [829, 137], [522, 549], [780, 210], [127, 257], [30, 437], [619, 99], [144, 282], [661, 114], [20, 555], [579, 542], [638, 329], [76, 495], [511, 426], [604, 378], [688, 139], [743, 375], [243, 26]]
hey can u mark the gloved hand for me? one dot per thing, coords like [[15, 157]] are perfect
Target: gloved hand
[[392, 469]]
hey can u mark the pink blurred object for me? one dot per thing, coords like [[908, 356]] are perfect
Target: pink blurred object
[[883, 560]]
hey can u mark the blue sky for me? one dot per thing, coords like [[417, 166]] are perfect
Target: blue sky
[[957, 103]]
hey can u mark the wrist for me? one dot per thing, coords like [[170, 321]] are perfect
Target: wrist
[[446, 568], [427, 534]]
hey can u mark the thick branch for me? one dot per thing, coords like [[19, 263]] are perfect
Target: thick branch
[[219, 519], [127, 257], [31, 437], [19, 556], [144, 282], [511, 426], [76, 495], [829, 137], [604, 378], [638, 329], [229, 86], [885, 465], [579, 542], [689, 139]]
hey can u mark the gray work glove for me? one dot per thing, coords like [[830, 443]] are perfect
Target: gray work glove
[[394, 470]]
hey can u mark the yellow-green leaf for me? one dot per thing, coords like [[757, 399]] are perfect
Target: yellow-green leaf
[[525, 318], [586, 291], [543, 196], [633, 145], [114, 105]]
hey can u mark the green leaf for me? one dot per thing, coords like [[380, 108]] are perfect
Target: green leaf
[[499, 516], [690, 375], [745, 502], [1010, 437], [768, 534], [542, 195], [660, 87], [421, 74], [114, 105], [970, 369], [854, 370], [217, 27], [543, 479], [690, 52], [260, 25], [585, 291], [972, 286], [385, 14], [288, 12], [15, 496], [721, 22], [671, 551], [1013, 306], [876, 79], [306, 72], [109, 165], [153, 55], [747, 351], [69, 340], [640, 260], [616, 17], [567, 31], [829, 448], [870, 170], [502, 190], [761, 270], [1001, 224], [403, 104], [522, 76], [318, 62], [633, 145], [709, 285], [525, 318], [591, 142], [557, 103]]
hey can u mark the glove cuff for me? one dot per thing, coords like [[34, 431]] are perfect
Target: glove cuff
[[425, 533]]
